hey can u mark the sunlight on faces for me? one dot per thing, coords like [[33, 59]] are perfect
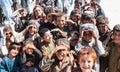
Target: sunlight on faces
[[86, 63], [14, 51], [61, 22], [32, 29], [29, 51], [61, 53], [38, 11], [47, 37], [86, 58]]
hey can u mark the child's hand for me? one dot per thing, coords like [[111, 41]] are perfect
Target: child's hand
[[29, 46], [71, 58], [29, 63]]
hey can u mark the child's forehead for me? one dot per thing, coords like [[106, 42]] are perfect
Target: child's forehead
[[86, 57]]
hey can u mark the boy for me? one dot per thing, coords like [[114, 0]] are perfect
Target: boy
[[62, 28], [11, 62], [86, 59], [57, 60], [113, 50], [47, 44], [89, 37]]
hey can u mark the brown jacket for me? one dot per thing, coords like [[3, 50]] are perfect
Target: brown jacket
[[52, 65], [114, 58]]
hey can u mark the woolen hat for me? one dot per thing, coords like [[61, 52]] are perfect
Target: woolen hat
[[117, 27]]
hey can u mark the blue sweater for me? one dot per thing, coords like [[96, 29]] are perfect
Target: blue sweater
[[8, 65]]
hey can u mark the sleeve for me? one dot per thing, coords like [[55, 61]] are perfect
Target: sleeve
[[39, 53], [2, 66], [100, 50], [46, 64], [78, 46], [23, 57]]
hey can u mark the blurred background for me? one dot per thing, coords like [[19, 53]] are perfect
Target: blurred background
[[112, 11]]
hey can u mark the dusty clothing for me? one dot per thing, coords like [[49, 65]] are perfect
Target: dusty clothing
[[52, 65], [114, 58], [47, 48]]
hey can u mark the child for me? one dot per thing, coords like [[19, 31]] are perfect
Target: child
[[11, 62], [61, 25], [48, 44], [30, 56], [57, 60], [86, 59], [89, 37]]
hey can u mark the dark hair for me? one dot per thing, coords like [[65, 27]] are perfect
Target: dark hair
[[61, 14], [14, 44], [86, 16], [74, 33], [78, 1], [75, 11], [101, 20], [42, 31], [49, 9]]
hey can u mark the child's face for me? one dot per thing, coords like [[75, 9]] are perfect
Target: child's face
[[14, 52], [38, 11], [74, 39], [102, 28], [29, 51], [32, 29], [74, 17], [8, 34], [49, 17], [47, 37], [61, 54], [61, 21], [87, 36], [78, 5], [116, 37], [86, 63]]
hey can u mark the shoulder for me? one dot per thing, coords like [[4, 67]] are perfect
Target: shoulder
[[77, 69]]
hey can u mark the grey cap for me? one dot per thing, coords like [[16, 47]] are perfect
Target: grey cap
[[62, 40], [87, 26], [117, 27], [33, 22]]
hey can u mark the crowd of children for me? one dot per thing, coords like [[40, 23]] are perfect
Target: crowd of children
[[58, 36]]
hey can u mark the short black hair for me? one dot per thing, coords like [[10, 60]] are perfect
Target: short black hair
[[86, 16], [42, 31], [13, 44]]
